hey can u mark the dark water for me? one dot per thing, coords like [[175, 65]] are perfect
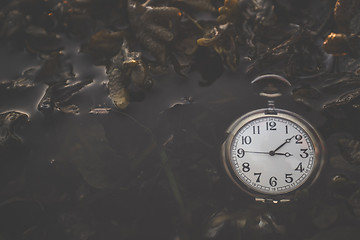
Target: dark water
[[153, 171]]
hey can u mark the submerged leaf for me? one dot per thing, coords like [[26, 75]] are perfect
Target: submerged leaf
[[342, 187], [348, 233], [350, 149], [324, 216], [87, 148], [354, 202]]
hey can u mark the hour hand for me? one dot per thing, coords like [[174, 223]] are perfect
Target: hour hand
[[272, 153]]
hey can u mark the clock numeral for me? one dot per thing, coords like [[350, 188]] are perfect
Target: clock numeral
[[273, 181], [286, 129], [298, 139], [304, 153], [240, 153], [288, 178], [246, 167], [270, 125], [258, 176], [299, 168], [245, 140], [256, 129]]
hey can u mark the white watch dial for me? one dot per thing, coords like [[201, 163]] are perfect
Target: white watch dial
[[272, 155]]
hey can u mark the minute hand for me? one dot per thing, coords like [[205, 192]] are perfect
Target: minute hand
[[286, 141], [256, 152]]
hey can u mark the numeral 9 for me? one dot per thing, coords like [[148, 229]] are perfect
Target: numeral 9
[[240, 153]]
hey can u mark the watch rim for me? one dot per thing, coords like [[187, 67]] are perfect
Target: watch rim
[[318, 144]]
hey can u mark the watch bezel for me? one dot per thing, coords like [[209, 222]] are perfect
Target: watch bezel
[[318, 144]]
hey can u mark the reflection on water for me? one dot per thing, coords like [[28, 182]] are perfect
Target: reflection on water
[[79, 168]]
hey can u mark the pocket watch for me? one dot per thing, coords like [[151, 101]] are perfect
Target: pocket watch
[[272, 153]]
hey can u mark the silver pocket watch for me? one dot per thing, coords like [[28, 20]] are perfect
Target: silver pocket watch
[[272, 153]]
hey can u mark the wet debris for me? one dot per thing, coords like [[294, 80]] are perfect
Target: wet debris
[[28, 28], [344, 99], [53, 69], [250, 14], [181, 102], [251, 17], [127, 72], [57, 97], [153, 27], [230, 11], [339, 44], [26, 80], [163, 33], [330, 90], [274, 40], [73, 16], [221, 39], [299, 55], [104, 44], [9, 122], [347, 17], [100, 111]]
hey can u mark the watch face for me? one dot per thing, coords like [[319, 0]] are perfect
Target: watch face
[[273, 154]]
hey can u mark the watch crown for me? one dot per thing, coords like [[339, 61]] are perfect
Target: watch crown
[[271, 108]]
